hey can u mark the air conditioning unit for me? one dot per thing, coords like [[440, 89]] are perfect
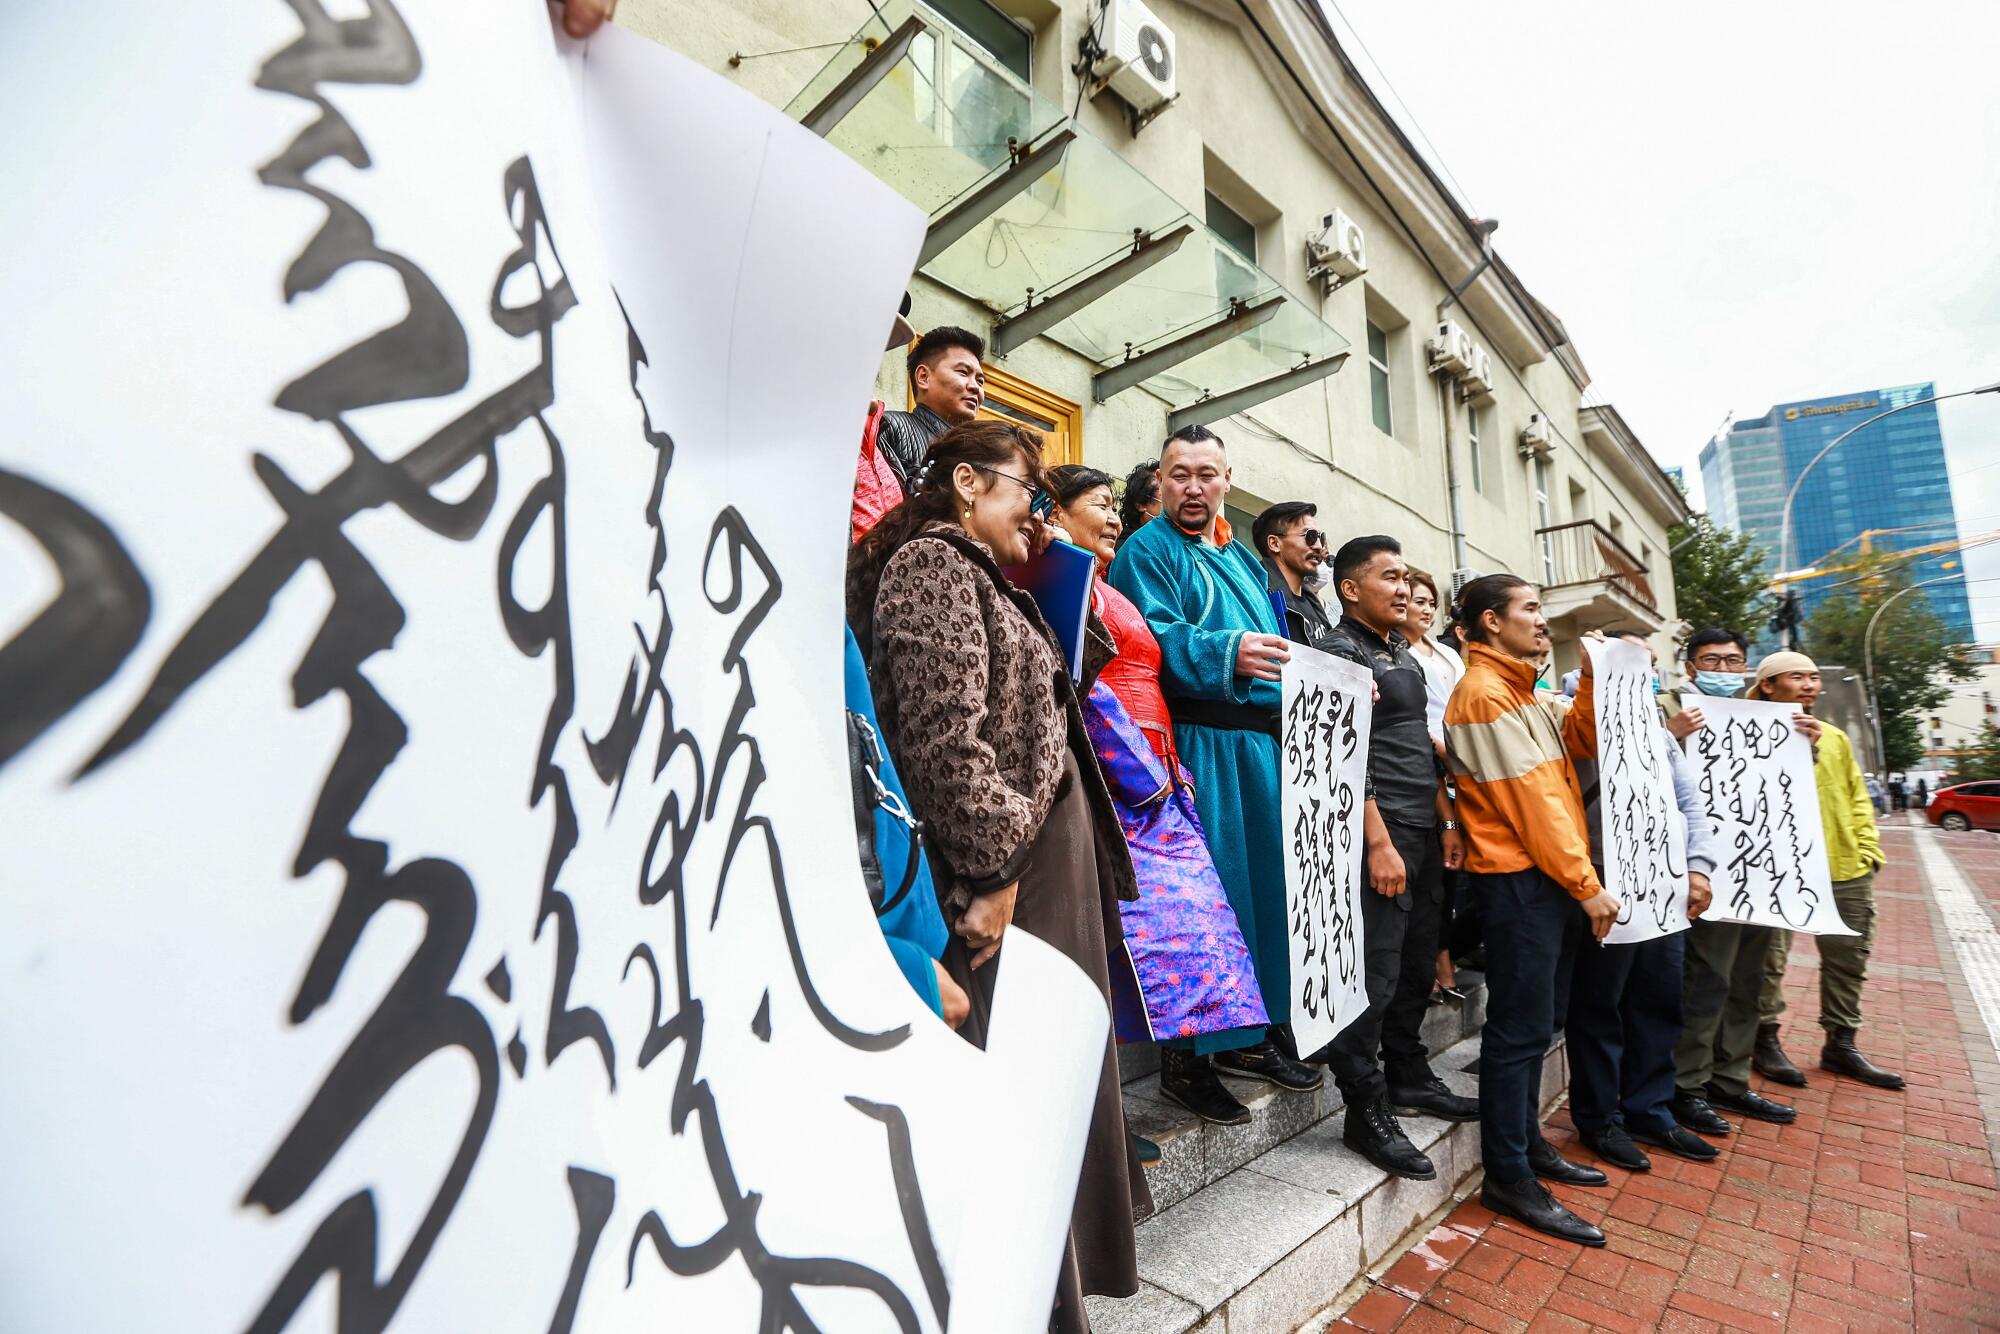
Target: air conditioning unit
[[1138, 63], [1338, 251], [1451, 348], [1537, 440], [1476, 380], [1459, 579]]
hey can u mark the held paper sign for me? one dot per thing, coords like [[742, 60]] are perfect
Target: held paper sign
[[427, 898], [1328, 704], [1755, 773], [1645, 835]]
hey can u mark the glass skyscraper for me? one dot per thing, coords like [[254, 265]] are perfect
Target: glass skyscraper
[[1889, 480]]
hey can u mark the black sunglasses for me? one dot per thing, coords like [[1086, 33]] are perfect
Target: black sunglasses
[[1039, 502], [1314, 537]]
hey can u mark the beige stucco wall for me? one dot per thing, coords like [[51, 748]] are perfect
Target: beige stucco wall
[[1231, 131]]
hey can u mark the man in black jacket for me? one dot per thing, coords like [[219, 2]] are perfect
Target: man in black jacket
[[1293, 552], [948, 383], [1379, 1060]]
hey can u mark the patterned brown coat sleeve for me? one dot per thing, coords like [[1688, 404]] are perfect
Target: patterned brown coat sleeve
[[931, 642]]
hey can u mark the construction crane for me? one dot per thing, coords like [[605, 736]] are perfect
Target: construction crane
[[1867, 554]]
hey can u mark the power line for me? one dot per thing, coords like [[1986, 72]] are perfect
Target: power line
[[1436, 156]]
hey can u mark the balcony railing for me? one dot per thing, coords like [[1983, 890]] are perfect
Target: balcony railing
[[1584, 553]]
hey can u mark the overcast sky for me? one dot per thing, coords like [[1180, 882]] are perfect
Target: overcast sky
[[1736, 204]]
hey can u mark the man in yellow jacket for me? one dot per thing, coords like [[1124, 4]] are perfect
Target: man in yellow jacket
[[1854, 854], [1513, 753]]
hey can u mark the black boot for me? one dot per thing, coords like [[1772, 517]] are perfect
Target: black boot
[[1429, 1096], [1770, 1061], [1842, 1057], [1530, 1202], [1374, 1134], [1190, 1080]]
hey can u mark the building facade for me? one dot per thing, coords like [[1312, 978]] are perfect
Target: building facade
[[1124, 239], [1886, 489]]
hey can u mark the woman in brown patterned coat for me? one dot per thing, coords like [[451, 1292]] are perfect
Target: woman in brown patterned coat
[[980, 713]]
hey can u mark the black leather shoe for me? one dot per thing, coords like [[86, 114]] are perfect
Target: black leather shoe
[[1529, 1202], [1614, 1146], [1770, 1061], [1264, 1061], [1373, 1133], [1677, 1141], [1432, 1098], [1552, 1166], [1692, 1110], [1190, 1081], [1755, 1106], [1842, 1058]]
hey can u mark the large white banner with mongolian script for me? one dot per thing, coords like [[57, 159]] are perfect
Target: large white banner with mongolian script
[[1328, 704], [423, 901], [1645, 834], [1755, 772]]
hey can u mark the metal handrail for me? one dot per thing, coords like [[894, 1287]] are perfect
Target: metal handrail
[[1585, 552]]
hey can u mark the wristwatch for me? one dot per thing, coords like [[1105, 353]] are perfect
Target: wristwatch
[[1451, 824]]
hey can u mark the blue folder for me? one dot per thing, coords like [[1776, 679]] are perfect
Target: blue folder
[[1059, 580]]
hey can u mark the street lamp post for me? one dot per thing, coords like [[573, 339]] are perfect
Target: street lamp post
[[1868, 665], [1785, 526]]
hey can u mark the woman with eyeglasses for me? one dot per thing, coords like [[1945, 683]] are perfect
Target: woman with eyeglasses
[[1195, 978], [980, 713]]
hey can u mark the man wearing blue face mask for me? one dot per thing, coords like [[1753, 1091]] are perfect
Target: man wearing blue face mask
[[1724, 968]]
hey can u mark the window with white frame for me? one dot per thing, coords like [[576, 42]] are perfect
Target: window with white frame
[[1473, 450], [1544, 521], [1378, 377]]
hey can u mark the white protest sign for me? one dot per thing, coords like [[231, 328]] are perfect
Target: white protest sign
[[1755, 774], [425, 899], [1645, 834], [1328, 704]]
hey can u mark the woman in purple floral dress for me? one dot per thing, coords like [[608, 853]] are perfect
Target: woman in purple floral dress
[[1191, 971]]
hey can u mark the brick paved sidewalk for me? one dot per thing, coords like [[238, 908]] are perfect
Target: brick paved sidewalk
[[1875, 1210]]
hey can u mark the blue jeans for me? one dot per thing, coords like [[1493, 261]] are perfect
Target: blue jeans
[[1621, 1039], [1532, 930]]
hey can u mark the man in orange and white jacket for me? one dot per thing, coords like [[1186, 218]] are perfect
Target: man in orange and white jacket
[[1511, 753]]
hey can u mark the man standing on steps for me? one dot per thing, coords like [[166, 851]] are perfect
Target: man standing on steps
[[1291, 550], [1854, 855], [948, 383], [1203, 596], [1528, 852], [1724, 967], [1621, 1040], [1411, 836]]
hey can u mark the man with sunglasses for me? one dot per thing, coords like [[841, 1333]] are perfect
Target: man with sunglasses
[[1293, 551]]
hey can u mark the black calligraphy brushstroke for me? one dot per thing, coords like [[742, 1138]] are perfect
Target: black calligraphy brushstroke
[[731, 536], [910, 1192], [593, 1194], [760, 1022], [100, 610]]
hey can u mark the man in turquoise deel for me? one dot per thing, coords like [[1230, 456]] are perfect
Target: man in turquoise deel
[[1221, 649]]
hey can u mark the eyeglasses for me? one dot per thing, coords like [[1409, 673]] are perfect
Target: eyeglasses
[[1714, 663], [1039, 501], [1314, 537]]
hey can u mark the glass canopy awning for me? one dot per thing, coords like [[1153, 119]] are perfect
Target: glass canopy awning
[[1054, 232]]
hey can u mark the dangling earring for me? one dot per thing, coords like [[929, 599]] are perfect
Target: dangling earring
[[968, 511]]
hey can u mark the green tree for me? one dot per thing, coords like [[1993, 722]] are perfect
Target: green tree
[[1915, 657], [1719, 577], [1982, 759]]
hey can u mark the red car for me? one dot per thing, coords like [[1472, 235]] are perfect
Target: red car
[[1967, 806]]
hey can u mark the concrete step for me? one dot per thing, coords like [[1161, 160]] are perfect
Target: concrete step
[[1274, 1241], [1194, 1154]]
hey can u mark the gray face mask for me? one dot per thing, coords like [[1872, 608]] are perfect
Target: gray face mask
[[1317, 579]]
